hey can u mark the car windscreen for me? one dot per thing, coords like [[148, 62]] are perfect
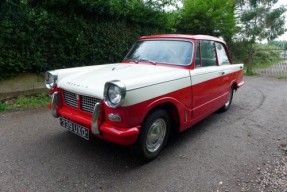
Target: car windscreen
[[172, 52]]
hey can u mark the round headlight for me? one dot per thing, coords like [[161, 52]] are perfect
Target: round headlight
[[51, 78], [114, 93]]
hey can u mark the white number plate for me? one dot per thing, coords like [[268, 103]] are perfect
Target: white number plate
[[75, 128]]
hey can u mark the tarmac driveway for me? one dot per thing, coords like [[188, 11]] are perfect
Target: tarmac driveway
[[244, 149]]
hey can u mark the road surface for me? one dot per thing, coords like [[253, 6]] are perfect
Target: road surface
[[243, 149]]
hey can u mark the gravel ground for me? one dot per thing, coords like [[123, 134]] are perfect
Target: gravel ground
[[244, 149]]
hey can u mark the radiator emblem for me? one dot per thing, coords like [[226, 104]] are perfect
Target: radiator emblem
[[76, 85]]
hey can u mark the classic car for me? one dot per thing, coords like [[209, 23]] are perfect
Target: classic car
[[164, 85]]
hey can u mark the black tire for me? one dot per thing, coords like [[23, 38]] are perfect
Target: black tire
[[154, 135], [226, 106]]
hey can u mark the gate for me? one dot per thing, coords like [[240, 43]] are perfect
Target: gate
[[273, 66]]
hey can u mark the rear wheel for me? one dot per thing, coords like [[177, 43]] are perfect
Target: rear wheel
[[226, 106], [154, 135]]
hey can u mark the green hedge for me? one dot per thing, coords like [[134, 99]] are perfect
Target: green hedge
[[36, 39]]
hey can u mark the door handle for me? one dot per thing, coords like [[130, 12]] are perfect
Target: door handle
[[222, 73]]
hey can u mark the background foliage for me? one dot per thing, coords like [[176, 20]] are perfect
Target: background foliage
[[257, 20], [38, 35], [208, 17]]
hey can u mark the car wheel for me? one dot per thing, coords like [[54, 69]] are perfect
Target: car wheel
[[154, 135], [226, 106]]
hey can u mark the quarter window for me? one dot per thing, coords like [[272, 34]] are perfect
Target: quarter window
[[221, 55], [198, 55]]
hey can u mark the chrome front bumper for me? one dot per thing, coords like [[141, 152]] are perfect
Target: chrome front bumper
[[56, 99], [95, 119]]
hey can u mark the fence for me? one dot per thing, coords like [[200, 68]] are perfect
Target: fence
[[277, 70], [270, 63]]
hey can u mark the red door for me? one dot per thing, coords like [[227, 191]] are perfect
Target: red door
[[207, 82]]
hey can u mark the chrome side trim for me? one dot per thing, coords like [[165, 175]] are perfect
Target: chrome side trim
[[56, 98], [95, 118]]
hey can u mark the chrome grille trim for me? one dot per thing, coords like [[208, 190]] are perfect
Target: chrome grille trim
[[88, 103], [70, 99]]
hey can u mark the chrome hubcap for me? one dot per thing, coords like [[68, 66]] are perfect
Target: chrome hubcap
[[156, 134]]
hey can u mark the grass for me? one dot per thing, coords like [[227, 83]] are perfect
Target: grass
[[250, 73], [3, 106], [33, 101], [266, 64], [262, 65]]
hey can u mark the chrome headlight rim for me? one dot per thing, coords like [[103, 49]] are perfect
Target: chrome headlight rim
[[121, 88], [51, 78]]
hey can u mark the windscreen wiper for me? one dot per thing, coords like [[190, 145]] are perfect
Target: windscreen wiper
[[148, 60]]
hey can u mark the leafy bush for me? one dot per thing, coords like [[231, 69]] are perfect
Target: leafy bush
[[263, 55], [40, 35], [3, 106]]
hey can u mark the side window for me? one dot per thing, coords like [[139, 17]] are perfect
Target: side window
[[208, 54], [221, 55], [198, 55]]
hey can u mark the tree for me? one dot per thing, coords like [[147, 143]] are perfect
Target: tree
[[280, 44], [208, 17], [159, 4], [258, 20]]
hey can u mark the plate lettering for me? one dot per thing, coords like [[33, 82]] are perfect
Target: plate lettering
[[75, 128]]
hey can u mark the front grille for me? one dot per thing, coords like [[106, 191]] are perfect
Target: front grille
[[87, 103], [70, 99]]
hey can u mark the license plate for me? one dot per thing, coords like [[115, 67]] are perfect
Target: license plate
[[75, 128]]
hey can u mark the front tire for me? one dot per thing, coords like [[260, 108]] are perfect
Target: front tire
[[154, 135]]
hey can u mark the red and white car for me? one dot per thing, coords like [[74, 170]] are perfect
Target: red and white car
[[165, 84]]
